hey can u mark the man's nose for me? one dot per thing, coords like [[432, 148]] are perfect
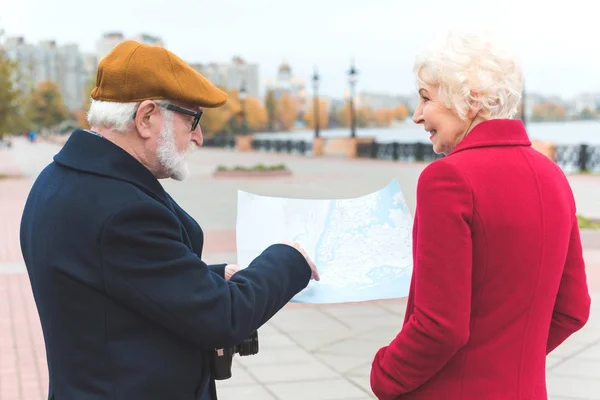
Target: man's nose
[[197, 136]]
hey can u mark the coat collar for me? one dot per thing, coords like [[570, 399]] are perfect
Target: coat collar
[[94, 154], [493, 133]]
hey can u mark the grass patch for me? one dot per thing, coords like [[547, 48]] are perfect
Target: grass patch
[[586, 223]]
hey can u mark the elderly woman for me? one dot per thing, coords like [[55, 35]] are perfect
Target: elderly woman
[[499, 279]]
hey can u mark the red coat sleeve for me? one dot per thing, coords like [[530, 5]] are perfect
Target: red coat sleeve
[[442, 256], [572, 306]]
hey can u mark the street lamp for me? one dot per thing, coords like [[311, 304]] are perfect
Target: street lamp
[[315, 79], [352, 73], [243, 95]]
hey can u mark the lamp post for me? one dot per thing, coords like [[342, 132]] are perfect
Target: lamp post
[[243, 95], [352, 73], [316, 104]]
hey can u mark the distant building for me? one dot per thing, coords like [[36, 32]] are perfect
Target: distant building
[[109, 40], [47, 61], [286, 83], [377, 101], [230, 76]]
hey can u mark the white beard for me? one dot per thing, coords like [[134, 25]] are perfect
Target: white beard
[[172, 161]]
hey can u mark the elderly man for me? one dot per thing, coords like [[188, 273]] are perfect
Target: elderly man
[[128, 308]]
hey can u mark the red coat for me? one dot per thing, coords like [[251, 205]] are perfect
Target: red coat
[[499, 278]]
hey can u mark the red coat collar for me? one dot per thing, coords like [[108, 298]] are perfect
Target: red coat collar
[[495, 132]]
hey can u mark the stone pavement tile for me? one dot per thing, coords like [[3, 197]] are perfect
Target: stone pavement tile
[[305, 319], [346, 364], [333, 389], [251, 392], [274, 356], [8, 164], [573, 387], [13, 193], [569, 348], [312, 340], [351, 347], [590, 352], [239, 377], [22, 353], [578, 368], [291, 372], [552, 397], [12, 268]]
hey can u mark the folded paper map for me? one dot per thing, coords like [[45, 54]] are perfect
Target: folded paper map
[[362, 246]]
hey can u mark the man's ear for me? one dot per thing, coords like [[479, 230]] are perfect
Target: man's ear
[[146, 116]]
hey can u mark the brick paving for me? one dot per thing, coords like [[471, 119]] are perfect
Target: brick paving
[[306, 352]]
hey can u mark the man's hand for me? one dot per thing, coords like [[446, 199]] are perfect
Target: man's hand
[[230, 269], [313, 267]]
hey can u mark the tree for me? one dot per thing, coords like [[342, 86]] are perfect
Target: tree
[[256, 115], [286, 112], [309, 116], [363, 116], [81, 114], [548, 111], [400, 113], [270, 104], [229, 118], [11, 99], [588, 113], [46, 106], [383, 117]]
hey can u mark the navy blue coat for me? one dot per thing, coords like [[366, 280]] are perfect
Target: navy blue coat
[[127, 307]]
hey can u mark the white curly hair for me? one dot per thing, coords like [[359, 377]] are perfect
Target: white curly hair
[[468, 68]]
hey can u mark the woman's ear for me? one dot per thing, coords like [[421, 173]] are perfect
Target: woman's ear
[[474, 106]]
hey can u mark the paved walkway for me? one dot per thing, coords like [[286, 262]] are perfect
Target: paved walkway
[[306, 352]]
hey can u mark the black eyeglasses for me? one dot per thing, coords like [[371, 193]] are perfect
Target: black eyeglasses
[[196, 114]]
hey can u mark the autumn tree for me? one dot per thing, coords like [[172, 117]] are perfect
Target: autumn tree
[[229, 118], [81, 114], [588, 113], [11, 111], [309, 116], [548, 111], [46, 107], [270, 104], [400, 113], [383, 117], [286, 112], [363, 116], [256, 115]]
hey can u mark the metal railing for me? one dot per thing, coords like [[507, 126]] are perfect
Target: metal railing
[[224, 142], [571, 158], [412, 152], [282, 146], [578, 158]]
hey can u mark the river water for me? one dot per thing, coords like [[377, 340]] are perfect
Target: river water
[[570, 132]]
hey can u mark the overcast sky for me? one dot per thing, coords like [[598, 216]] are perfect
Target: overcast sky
[[558, 45]]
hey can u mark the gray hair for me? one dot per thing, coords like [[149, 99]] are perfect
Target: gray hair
[[115, 116]]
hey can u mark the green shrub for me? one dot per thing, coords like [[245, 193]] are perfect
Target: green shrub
[[586, 223]]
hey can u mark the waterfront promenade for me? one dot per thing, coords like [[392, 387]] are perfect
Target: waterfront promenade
[[306, 352]]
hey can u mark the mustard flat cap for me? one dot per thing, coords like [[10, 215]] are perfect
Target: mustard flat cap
[[134, 72]]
